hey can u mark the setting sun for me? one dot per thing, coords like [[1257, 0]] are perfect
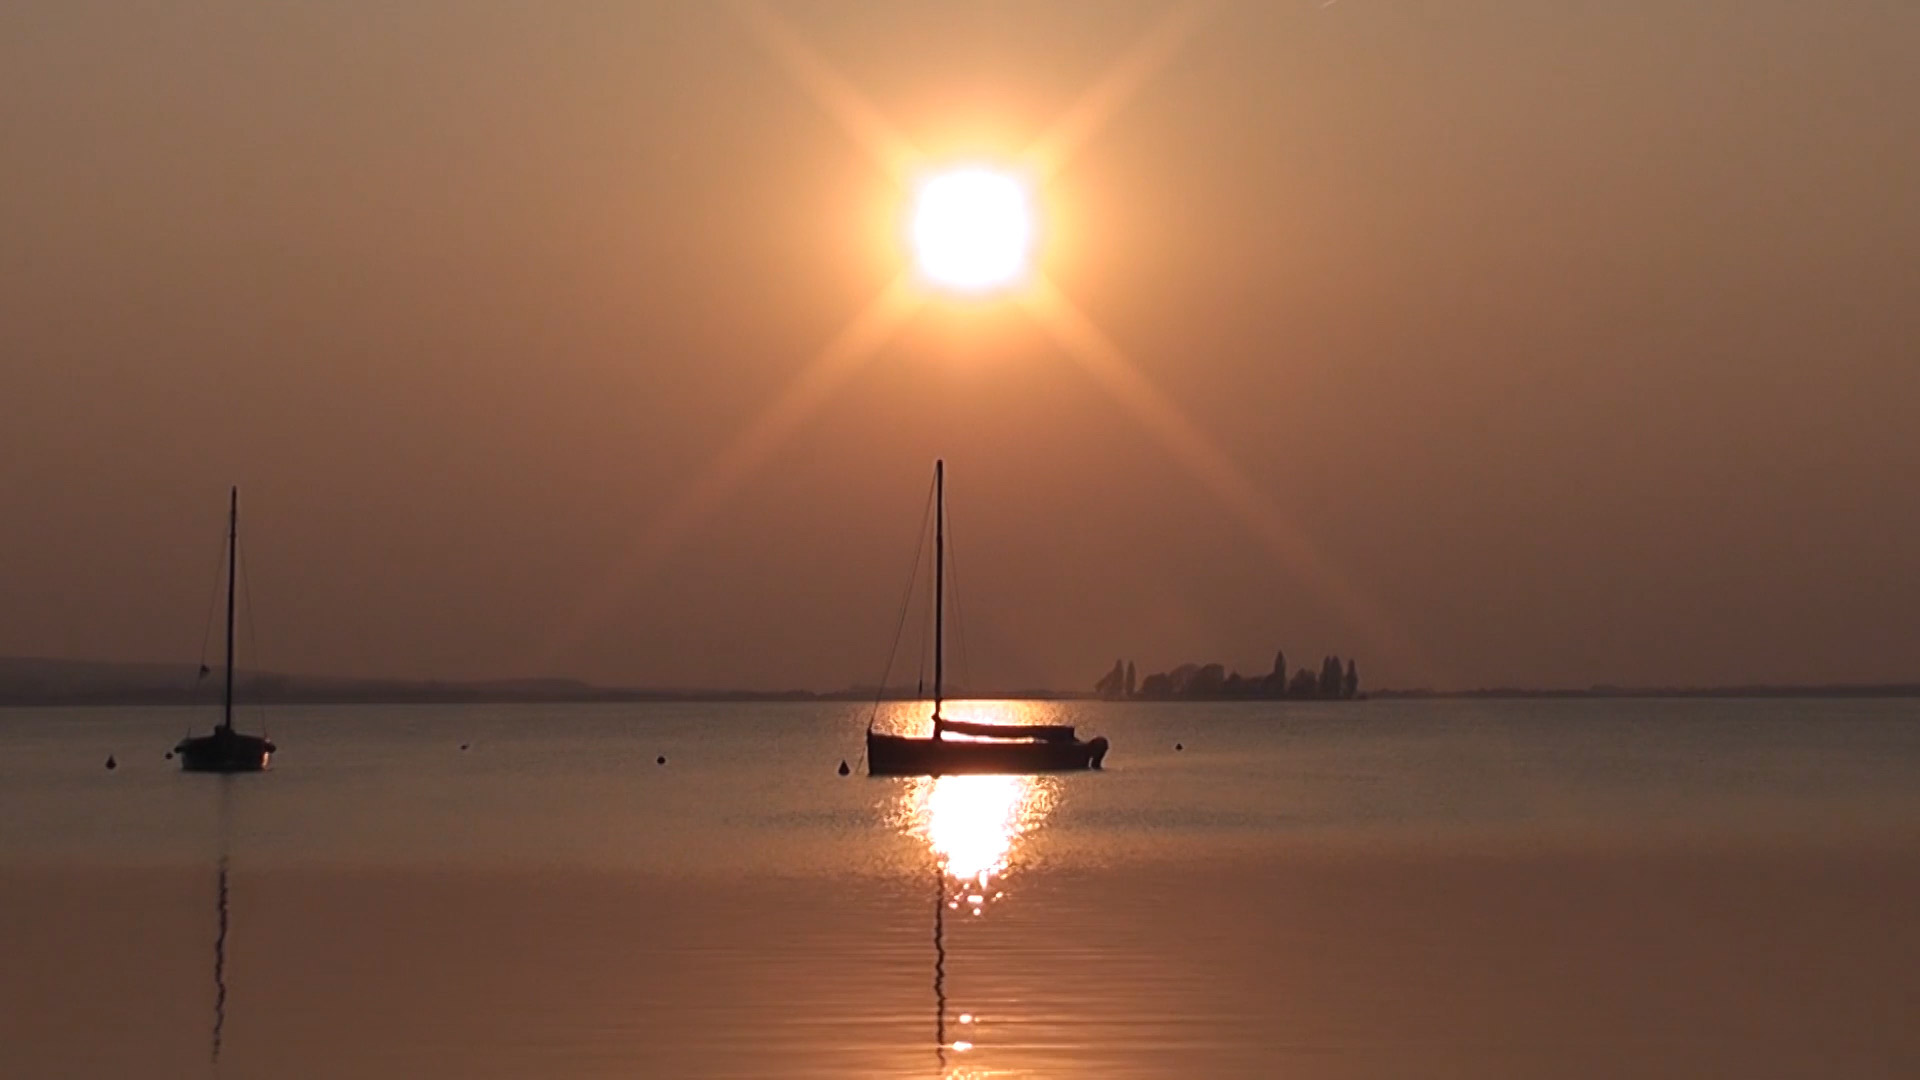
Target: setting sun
[[972, 229]]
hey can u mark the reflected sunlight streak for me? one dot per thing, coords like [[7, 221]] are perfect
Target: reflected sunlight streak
[[973, 824]]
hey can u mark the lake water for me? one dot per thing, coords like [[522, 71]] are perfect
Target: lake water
[[1375, 889]]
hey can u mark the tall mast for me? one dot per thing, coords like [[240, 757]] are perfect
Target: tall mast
[[233, 558], [939, 583]]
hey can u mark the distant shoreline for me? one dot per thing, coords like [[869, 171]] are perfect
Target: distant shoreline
[[456, 695], [47, 683], [1835, 690]]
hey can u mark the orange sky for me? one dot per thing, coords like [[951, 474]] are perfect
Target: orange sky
[[1578, 340]]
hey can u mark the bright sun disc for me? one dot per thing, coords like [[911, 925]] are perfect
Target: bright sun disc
[[972, 230]]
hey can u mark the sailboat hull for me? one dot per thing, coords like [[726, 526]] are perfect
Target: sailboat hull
[[224, 752], [898, 755]]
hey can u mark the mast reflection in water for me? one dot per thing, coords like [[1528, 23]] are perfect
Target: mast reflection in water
[[972, 826], [220, 965]]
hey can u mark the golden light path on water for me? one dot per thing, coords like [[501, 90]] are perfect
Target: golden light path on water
[[972, 825], [973, 828]]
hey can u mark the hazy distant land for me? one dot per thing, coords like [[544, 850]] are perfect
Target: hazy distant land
[[26, 681], [1762, 690], [1337, 680], [29, 681], [1334, 681]]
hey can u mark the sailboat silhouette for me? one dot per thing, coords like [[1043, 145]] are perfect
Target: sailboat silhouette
[[226, 750], [978, 747]]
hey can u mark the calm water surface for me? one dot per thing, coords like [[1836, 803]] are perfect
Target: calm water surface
[[1373, 889]]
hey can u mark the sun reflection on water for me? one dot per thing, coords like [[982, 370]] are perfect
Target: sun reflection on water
[[972, 825]]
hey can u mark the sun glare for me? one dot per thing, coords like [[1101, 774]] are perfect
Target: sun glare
[[972, 230], [972, 825]]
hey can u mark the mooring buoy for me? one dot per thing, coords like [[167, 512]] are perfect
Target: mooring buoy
[[843, 767], [661, 760], [112, 764]]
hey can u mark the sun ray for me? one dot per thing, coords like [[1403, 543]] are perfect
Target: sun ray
[[1082, 340], [892, 151], [839, 359], [1210, 464], [1156, 48]]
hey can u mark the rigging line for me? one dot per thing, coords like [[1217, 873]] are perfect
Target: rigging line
[[959, 617], [253, 638], [925, 640], [206, 633], [930, 639], [213, 602], [906, 604]]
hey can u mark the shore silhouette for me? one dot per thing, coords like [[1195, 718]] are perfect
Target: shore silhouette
[[1334, 681]]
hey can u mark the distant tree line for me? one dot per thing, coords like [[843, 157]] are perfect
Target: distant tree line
[[1207, 682]]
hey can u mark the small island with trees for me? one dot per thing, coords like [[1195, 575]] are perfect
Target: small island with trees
[[1212, 682]]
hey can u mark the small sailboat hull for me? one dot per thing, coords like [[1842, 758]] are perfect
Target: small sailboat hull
[[224, 751], [899, 755]]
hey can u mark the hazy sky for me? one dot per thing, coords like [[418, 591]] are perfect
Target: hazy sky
[[1580, 339]]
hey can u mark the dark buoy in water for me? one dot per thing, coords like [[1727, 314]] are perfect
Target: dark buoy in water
[[843, 767], [111, 764], [169, 755], [661, 760], [1179, 746], [463, 746]]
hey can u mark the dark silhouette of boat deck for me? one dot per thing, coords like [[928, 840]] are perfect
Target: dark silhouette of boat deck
[[901, 755]]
